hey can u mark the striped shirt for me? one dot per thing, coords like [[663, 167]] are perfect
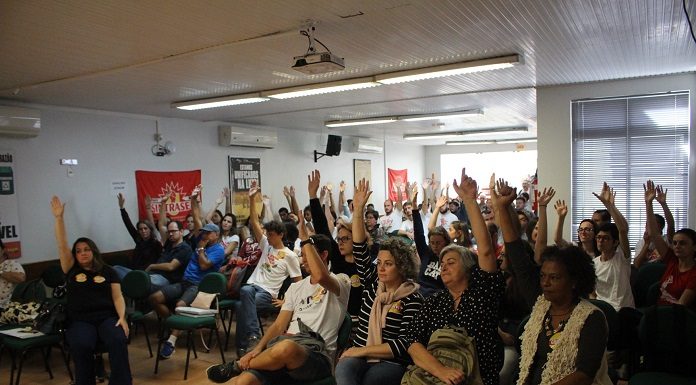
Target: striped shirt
[[398, 317]]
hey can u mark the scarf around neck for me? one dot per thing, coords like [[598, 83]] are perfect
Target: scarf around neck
[[380, 308]]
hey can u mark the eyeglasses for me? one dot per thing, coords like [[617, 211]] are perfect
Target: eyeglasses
[[585, 229], [344, 239]]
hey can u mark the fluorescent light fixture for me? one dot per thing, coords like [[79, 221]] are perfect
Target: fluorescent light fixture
[[359, 122], [440, 115], [455, 134], [469, 142], [449, 69], [321, 88], [521, 140], [221, 101]]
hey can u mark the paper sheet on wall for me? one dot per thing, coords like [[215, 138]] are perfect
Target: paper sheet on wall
[[9, 207]]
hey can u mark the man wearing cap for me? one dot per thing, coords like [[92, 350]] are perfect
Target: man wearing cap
[[206, 258]]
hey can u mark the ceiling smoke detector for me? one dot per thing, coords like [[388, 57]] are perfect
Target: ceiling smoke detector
[[313, 62]]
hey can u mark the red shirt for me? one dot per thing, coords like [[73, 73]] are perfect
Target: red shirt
[[674, 282]]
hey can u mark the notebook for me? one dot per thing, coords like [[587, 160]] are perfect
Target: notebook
[[195, 312]]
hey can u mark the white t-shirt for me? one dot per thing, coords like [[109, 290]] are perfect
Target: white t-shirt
[[274, 267], [407, 226], [226, 240], [614, 281], [7, 287], [318, 308], [446, 219], [392, 221]]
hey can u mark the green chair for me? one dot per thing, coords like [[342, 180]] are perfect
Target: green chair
[[227, 308], [342, 341], [612, 318], [19, 347], [646, 276], [211, 283], [653, 294], [136, 288], [668, 338]]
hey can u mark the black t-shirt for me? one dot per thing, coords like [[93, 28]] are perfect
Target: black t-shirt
[[181, 252], [89, 294], [591, 346], [340, 265]]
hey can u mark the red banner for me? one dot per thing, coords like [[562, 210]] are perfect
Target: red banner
[[177, 185], [397, 178]]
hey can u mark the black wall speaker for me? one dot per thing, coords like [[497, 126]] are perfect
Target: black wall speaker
[[333, 145]]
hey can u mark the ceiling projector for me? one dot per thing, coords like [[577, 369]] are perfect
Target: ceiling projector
[[318, 63]]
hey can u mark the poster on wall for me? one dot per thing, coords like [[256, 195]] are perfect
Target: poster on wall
[[397, 179], [362, 168], [9, 208], [243, 171], [177, 185]]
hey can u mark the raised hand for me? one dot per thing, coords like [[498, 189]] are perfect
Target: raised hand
[[221, 198], [196, 192], [57, 207], [466, 188], [313, 182], [342, 186], [546, 196], [362, 194], [561, 208], [286, 191], [301, 227], [661, 195], [505, 195], [414, 188], [650, 191], [441, 201], [427, 182], [121, 200], [254, 189], [226, 192], [148, 202], [607, 196], [292, 191]]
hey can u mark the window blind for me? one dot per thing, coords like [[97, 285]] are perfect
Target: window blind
[[625, 141]]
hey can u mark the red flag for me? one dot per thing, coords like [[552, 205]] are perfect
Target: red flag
[[177, 185], [397, 178]]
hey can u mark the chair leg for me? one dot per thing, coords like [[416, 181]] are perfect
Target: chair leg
[[159, 349], [217, 337], [147, 339], [189, 342], [21, 363], [46, 362], [229, 329], [67, 363]]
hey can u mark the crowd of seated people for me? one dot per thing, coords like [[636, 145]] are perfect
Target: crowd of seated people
[[477, 263]]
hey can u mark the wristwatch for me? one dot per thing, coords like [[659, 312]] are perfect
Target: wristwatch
[[198, 250], [309, 240]]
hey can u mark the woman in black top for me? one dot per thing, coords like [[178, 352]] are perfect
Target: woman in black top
[[471, 300], [390, 300], [429, 276], [96, 310], [147, 248]]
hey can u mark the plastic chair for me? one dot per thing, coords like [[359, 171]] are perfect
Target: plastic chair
[[136, 287], [668, 337], [19, 347], [612, 318], [211, 283]]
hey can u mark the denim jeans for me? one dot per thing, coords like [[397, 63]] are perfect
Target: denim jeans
[[252, 298], [156, 280], [357, 371]]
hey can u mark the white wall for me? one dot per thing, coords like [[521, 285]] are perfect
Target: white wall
[[110, 147], [554, 127]]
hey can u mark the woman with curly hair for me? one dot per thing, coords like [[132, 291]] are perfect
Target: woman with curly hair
[[390, 300], [566, 336]]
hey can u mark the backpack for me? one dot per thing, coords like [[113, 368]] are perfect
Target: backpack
[[453, 347]]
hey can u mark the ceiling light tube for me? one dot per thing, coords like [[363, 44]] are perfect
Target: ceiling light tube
[[449, 69], [469, 142], [521, 140], [454, 134], [321, 88], [221, 101], [440, 115], [359, 122]]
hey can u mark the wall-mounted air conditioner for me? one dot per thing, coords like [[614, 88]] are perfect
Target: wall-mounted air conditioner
[[247, 136], [368, 145], [19, 122]]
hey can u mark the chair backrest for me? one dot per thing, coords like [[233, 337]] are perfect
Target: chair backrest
[[214, 283], [612, 318], [29, 291], [653, 294], [136, 285], [668, 336], [646, 276], [343, 338]]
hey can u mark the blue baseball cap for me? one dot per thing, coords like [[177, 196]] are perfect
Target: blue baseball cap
[[211, 228]]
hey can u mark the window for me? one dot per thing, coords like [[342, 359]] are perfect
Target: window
[[625, 141]]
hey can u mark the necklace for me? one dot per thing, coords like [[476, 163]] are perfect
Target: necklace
[[553, 334]]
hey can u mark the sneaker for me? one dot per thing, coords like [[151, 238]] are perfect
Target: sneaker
[[223, 372], [253, 341], [167, 350]]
